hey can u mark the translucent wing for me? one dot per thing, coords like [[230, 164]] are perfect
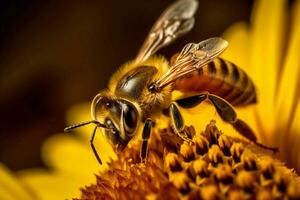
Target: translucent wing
[[175, 21], [192, 57]]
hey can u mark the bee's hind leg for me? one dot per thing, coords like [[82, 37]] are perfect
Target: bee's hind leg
[[178, 122], [226, 112], [145, 137]]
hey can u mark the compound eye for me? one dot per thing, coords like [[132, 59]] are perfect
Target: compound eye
[[130, 118], [100, 104]]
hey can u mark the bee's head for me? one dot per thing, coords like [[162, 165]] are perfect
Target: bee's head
[[120, 116]]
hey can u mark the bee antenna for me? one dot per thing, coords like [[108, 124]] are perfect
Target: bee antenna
[[69, 128]]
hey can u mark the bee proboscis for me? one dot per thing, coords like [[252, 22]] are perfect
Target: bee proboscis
[[142, 88]]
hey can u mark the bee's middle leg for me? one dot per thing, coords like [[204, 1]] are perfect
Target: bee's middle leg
[[145, 138]]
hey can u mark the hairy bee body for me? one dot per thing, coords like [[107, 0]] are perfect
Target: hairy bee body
[[221, 78], [132, 80], [142, 89]]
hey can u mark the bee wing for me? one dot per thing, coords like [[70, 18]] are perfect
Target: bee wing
[[175, 21], [192, 57]]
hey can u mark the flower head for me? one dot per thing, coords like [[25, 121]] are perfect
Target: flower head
[[213, 166]]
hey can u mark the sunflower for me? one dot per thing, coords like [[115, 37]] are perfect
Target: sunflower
[[267, 49]]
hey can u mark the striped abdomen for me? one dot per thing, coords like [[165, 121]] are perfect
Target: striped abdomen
[[222, 78]]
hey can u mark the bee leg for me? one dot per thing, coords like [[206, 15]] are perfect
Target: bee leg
[[192, 101], [93, 146], [178, 122], [246, 131], [145, 137], [227, 113]]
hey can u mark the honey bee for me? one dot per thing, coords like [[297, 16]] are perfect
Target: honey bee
[[142, 89]]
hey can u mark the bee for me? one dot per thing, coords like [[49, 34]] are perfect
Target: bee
[[142, 89]]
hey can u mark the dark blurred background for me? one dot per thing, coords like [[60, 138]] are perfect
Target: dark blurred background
[[55, 54]]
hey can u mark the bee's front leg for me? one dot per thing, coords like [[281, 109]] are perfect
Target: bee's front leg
[[145, 137], [93, 146]]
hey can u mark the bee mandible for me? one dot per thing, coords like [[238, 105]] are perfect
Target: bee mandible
[[142, 89]]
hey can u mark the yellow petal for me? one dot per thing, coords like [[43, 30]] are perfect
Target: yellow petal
[[11, 187], [288, 94], [237, 52], [7, 195], [266, 52], [48, 185], [293, 144], [72, 156]]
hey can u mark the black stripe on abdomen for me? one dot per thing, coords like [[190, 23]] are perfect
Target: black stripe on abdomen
[[234, 80], [235, 73], [224, 68], [212, 68]]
